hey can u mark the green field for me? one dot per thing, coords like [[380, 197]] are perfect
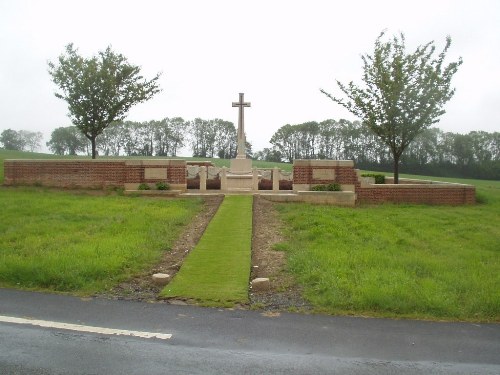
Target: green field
[[217, 271], [417, 261], [79, 243]]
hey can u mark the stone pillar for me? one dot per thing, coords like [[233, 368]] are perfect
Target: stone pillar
[[255, 179], [223, 179], [203, 178], [276, 179]]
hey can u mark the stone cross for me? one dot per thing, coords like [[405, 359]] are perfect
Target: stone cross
[[241, 127]]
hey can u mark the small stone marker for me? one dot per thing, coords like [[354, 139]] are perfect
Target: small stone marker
[[260, 284], [161, 278]]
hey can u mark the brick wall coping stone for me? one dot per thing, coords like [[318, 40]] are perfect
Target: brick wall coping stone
[[180, 162], [435, 185], [171, 162], [418, 183], [68, 160], [323, 163]]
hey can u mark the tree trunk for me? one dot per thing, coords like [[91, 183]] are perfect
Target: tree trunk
[[94, 153], [396, 169]]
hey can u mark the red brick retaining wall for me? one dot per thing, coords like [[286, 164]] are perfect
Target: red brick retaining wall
[[408, 191], [452, 194], [306, 173], [94, 173]]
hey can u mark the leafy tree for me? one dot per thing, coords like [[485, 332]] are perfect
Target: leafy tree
[[112, 139], [99, 90], [11, 140], [67, 141], [404, 94], [32, 140], [268, 154], [285, 141], [226, 139], [169, 136], [202, 138]]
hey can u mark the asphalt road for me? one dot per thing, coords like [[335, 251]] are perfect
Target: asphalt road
[[221, 341]]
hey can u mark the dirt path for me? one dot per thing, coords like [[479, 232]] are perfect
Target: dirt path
[[266, 262]]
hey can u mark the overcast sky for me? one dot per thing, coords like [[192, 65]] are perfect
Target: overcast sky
[[279, 53]]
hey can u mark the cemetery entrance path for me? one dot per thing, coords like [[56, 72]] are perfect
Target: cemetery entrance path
[[266, 262]]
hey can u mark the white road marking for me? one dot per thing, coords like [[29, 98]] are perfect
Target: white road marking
[[83, 328]]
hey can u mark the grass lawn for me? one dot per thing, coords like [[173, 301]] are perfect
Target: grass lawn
[[69, 242], [217, 271], [417, 261]]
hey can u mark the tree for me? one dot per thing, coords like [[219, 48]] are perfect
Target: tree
[[67, 140], [112, 139], [404, 94], [268, 154], [202, 138], [169, 136], [12, 140], [32, 140], [99, 90], [226, 139]]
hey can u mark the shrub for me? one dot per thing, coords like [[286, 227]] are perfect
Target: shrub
[[379, 178], [318, 188], [333, 187], [329, 187], [144, 186], [162, 186]]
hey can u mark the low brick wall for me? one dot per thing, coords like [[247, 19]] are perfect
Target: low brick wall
[[307, 173], [95, 173], [101, 173], [449, 194]]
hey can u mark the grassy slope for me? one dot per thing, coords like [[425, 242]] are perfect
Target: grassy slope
[[68, 242], [218, 269], [400, 260]]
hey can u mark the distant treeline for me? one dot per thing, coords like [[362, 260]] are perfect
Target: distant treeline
[[434, 152], [22, 140], [206, 138]]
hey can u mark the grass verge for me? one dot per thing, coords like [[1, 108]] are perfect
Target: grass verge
[[67, 242], [416, 261], [217, 271]]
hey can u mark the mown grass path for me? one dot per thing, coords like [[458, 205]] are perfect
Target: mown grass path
[[217, 270]]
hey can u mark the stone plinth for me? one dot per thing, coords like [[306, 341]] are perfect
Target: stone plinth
[[240, 165], [240, 175], [239, 181]]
